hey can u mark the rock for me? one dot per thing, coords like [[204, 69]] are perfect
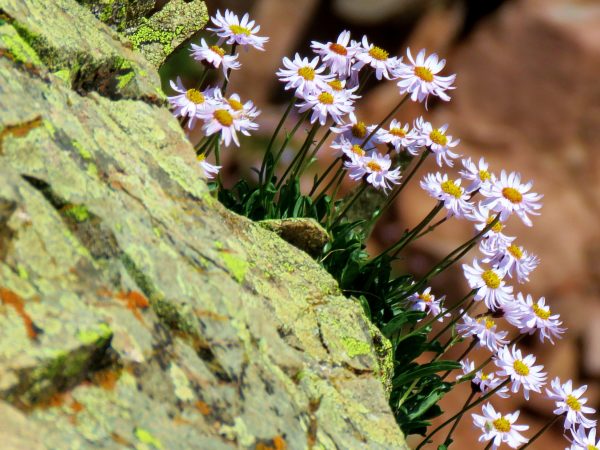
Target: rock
[[364, 12], [135, 311], [305, 234]]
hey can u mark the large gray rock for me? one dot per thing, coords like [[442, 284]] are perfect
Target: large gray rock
[[136, 312]]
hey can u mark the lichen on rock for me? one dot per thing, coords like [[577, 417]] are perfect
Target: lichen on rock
[[123, 324]]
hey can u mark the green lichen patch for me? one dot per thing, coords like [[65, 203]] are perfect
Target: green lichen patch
[[236, 265], [355, 347]]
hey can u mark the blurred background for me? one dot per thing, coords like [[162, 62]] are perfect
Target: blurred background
[[527, 99]]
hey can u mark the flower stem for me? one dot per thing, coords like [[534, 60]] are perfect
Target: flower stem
[[226, 80], [350, 203], [541, 431], [462, 411], [388, 117], [299, 158], [322, 177], [469, 398], [314, 152], [273, 137]]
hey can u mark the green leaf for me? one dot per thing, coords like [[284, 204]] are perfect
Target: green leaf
[[424, 371]]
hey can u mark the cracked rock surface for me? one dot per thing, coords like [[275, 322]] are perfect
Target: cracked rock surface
[[135, 311]]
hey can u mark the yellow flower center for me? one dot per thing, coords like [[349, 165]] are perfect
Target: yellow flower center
[[484, 175], [374, 166], [491, 279], [489, 323], [359, 130], [307, 72], [515, 250], [218, 50], [378, 53], [236, 105], [437, 137], [195, 96], [451, 188], [542, 313], [236, 29], [496, 228], [512, 195], [399, 132], [201, 157], [336, 85], [326, 98], [573, 403], [358, 150], [502, 425], [592, 447], [338, 48], [426, 298], [223, 117], [484, 376], [521, 368], [424, 74]]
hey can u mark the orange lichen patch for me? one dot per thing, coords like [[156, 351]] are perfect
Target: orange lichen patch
[[57, 400], [19, 130], [203, 407], [76, 407], [210, 314], [9, 298], [106, 379], [178, 420], [278, 443], [134, 301], [120, 440]]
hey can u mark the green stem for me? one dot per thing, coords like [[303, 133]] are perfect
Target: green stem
[[432, 321], [350, 203], [273, 137], [432, 227], [284, 146], [456, 422], [453, 321], [386, 118], [226, 80], [461, 357], [462, 411], [405, 181], [298, 159], [314, 152], [540, 432], [322, 177]]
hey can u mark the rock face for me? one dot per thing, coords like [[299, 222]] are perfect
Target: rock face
[[136, 312]]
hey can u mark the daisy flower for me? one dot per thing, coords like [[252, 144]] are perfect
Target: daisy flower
[[400, 137], [377, 58], [508, 195], [328, 103], [231, 30], [375, 167], [234, 104], [510, 258], [337, 56], [215, 56], [477, 174], [426, 302], [498, 428], [583, 441], [521, 370], [570, 403], [485, 329], [437, 140], [420, 78], [537, 316], [489, 284], [210, 170], [189, 102], [303, 75], [225, 121], [355, 132], [347, 149], [449, 191], [494, 238]]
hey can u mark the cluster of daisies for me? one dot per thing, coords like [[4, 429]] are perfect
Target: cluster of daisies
[[488, 201], [222, 116], [325, 89]]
